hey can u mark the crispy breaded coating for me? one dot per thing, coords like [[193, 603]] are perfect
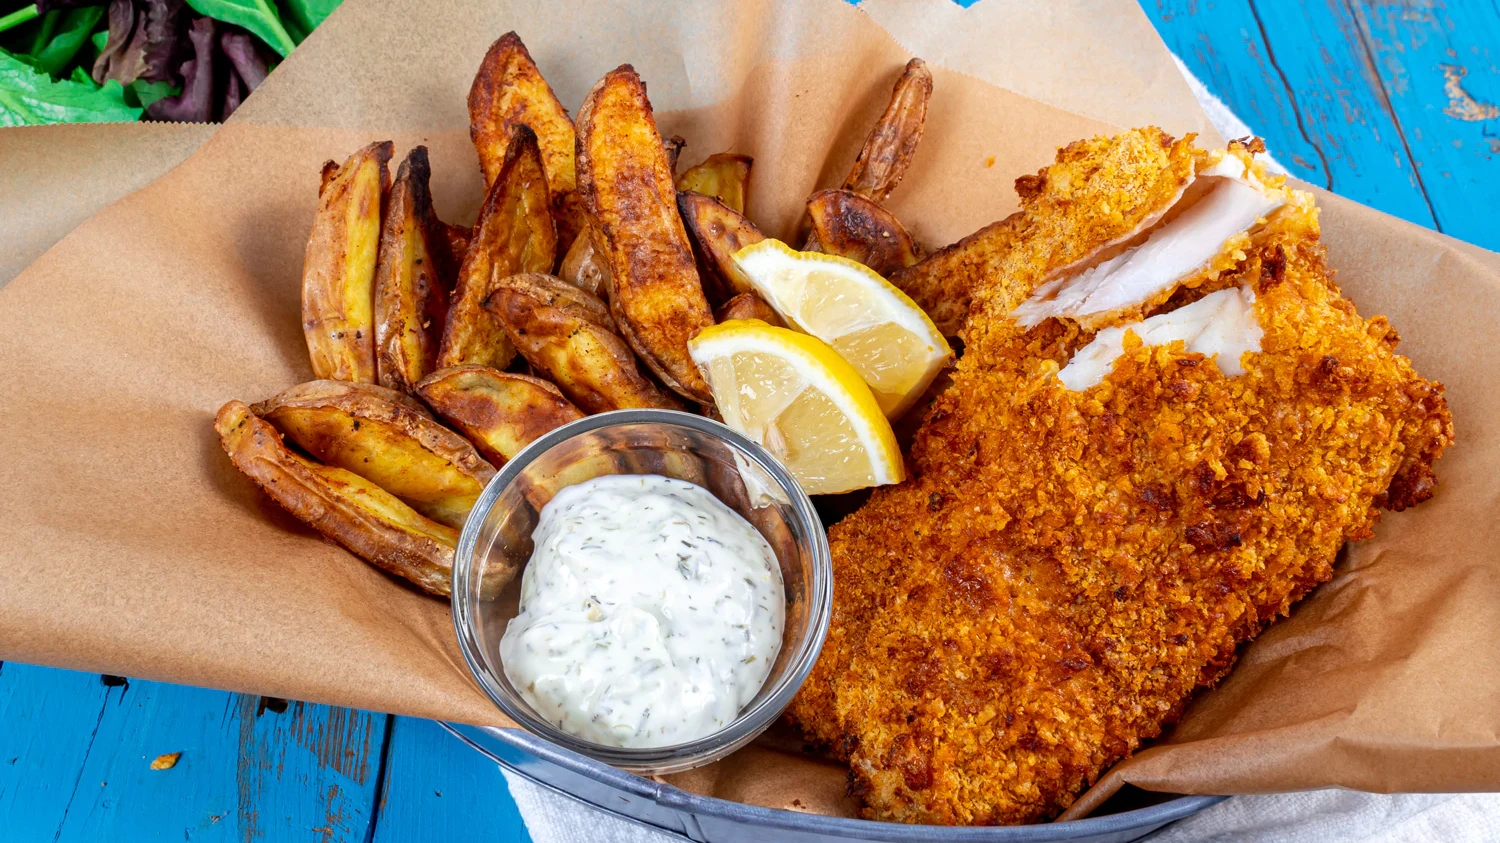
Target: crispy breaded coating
[[1067, 210], [1064, 568]]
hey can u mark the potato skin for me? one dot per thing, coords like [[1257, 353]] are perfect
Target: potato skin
[[655, 294], [499, 412], [344, 507], [851, 226], [515, 233], [724, 175], [749, 306], [338, 269], [586, 265], [889, 148], [509, 91], [411, 301], [718, 231], [569, 335], [387, 438]]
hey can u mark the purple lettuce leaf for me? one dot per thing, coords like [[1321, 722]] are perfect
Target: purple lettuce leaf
[[196, 102]]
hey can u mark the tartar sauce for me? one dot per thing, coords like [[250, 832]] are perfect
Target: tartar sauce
[[650, 612]]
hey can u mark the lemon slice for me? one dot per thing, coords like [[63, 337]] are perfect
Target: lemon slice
[[883, 334], [791, 393]]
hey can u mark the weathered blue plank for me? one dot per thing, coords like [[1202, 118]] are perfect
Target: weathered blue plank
[[1221, 43], [1439, 63], [1299, 74], [48, 722], [437, 788], [79, 763]]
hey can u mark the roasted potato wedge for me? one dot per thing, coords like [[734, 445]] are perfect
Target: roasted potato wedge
[[749, 306], [499, 412], [508, 91], [386, 438], [348, 509], [569, 336], [851, 226], [888, 149], [515, 233], [411, 302], [718, 232], [586, 266], [724, 175], [655, 293], [338, 269]]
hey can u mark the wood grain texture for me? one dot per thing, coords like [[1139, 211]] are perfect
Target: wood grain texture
[[1290, 71], [1439, 66], [437, 788], [76, 754]]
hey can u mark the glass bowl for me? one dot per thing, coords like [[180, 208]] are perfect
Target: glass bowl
[[737, 471]]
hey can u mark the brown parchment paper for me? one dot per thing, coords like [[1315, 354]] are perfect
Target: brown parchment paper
[[129, 544]]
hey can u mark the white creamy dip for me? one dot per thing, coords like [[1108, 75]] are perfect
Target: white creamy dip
[[650, 612]]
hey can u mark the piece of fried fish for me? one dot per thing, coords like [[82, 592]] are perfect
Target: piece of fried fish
[[1167, 422]]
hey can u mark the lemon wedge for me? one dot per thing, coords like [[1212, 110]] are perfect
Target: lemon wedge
[[883, 334], [793, 394]]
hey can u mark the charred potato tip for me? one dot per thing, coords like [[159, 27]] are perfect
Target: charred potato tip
[[515, 233], [411, 302]]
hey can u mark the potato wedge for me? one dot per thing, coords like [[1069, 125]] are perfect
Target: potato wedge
[[851, 226], [724, 175], [338, 269], [673, 147], [386, 438], [411, 302], [718, 231], [348, 509], [586, 266], [569, 336], [888, 149], [655, 293], [515, 233], [499, 412], [508, 91], [749, 306]]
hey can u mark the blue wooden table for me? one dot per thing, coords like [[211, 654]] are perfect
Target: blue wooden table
[[1394, 104]]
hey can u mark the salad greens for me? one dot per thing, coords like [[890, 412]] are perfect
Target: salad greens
[[111, 60], [28, 95]]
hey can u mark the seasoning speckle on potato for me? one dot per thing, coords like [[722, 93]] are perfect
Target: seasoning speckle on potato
[[338, 270]]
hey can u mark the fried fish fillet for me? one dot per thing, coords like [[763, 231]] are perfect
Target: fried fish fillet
[[1065, 567]]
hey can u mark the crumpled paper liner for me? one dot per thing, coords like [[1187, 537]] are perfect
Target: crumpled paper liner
[[130, 545]]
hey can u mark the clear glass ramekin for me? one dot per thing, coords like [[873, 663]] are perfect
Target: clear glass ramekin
[[739, 472]]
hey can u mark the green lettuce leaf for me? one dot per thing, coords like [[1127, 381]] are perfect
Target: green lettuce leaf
[[68, 38], [29, 97], [258, 16], [302, 16]]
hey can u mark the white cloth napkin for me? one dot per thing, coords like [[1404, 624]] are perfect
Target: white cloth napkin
[[1320, 816]]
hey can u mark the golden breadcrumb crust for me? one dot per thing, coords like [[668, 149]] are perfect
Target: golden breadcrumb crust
[[1064, 568]]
